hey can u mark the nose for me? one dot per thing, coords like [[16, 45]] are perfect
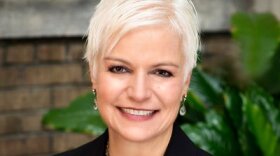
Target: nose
[[139, 88]]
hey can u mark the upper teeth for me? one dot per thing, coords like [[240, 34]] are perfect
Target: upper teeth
[[137, 112]]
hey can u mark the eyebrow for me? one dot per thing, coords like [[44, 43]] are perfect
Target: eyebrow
[[156, 65], [167, 64], [117, 59]]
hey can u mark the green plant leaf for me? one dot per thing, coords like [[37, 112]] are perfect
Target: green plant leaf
[[205, 89], [258, 36], [266, 103], [213, 135], [195, 102], [233, 104], [196, 109], [79, 116], [261, 128], [247, 142], [270, 80]]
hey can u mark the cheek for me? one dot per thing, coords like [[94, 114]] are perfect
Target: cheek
[[109, 87], [170, 93]]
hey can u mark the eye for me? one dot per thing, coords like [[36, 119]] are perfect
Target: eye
[[163, 73], [118, 69]]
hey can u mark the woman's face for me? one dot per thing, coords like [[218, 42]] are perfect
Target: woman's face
[[140, 84]]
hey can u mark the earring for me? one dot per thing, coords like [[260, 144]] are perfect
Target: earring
[[94, 101], [183, 108]]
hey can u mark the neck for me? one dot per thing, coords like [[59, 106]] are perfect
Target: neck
[[124, 147]]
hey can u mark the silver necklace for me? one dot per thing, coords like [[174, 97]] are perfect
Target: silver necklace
[[107, 149]]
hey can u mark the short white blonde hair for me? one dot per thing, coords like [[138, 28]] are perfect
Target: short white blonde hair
[[112, 19]]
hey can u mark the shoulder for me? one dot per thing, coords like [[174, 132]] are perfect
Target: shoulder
[[95, 147], [181, 145]]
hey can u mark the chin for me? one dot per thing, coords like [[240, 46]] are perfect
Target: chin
[[136, 134], [141, 133]]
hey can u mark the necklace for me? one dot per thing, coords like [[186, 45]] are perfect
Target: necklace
[[107, 149]]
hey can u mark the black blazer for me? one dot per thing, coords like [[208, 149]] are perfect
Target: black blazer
[[179, 145]]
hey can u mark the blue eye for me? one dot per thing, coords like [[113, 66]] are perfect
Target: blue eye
[[118, 69], [163, 73]]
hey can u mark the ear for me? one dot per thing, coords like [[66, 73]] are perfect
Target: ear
[[92, 74], [187, 83]]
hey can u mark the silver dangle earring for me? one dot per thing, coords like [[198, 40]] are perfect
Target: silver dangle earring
[[183, 107], [94, 101]]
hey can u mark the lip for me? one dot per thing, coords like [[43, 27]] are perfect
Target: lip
[[135, 114]]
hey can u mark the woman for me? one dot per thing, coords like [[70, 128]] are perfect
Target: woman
[[141, 54]]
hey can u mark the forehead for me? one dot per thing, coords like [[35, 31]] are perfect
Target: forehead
[[147, 42]]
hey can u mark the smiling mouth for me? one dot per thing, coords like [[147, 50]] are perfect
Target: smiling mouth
[[138, 112]]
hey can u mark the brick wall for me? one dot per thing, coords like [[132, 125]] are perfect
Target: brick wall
[[38, 74], [35, 75]]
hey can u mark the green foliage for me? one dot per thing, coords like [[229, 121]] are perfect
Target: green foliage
[[258, 36], [261, 128], [270, 79], [205, 87], [77, 117], [247, 121], [248, 124], [214, 135], [200, 90]]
